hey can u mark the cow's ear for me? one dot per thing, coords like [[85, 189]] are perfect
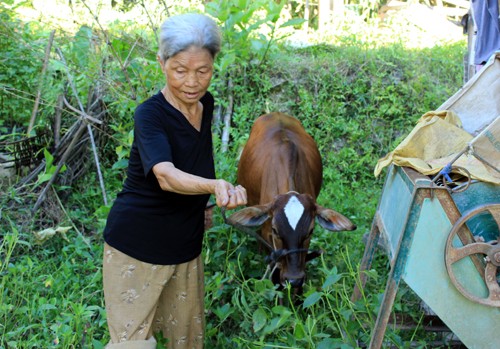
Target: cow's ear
[[332, 220], [253, 216]]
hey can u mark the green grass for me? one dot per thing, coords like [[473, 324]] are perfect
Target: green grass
[[50, 295]]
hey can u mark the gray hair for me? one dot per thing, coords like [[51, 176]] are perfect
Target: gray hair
[[180, 32]]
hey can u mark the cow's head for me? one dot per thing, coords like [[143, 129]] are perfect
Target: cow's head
[[287, 224]]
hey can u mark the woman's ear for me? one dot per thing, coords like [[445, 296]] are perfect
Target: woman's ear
[[162, 63]]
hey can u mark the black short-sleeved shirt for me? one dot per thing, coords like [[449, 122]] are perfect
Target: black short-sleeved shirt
[[150, 224]]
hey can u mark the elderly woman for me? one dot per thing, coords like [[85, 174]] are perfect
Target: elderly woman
[[152, 269]]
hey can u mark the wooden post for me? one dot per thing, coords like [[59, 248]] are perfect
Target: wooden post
[[327, 11], [306, 16], [227, 117], [40, 85], [324, 13], [57, 120]]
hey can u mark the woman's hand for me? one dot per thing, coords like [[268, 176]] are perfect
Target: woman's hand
[[229, 196], [177, 181]]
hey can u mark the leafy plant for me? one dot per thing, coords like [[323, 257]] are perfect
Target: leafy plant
[[50, 168]]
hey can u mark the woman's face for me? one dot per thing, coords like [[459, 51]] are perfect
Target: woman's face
[[188, 74]]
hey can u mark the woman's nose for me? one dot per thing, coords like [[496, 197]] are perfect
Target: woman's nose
[[192, 79]]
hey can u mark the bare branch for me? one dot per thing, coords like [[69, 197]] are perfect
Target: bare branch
[[83, 115], [39, 91], [227, 117]]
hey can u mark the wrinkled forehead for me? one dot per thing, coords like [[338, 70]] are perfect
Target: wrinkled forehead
[[294, 208]]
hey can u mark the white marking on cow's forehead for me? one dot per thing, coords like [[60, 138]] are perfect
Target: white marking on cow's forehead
[[293, 211]]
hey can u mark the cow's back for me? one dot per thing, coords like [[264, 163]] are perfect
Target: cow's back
[[279, 156]]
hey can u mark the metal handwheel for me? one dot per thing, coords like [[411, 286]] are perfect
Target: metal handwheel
[[488, 250]]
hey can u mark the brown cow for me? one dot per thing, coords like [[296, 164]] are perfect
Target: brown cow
[[281, 169]]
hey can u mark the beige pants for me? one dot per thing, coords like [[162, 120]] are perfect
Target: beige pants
[[143, 298]]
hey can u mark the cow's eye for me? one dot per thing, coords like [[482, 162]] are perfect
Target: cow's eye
[[275, 231]]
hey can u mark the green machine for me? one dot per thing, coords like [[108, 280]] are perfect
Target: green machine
[[444, 245], [442, 236]]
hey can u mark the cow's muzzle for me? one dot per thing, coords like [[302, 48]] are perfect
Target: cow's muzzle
[[295, 280]]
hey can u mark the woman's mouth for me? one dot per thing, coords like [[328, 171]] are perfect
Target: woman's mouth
[[191, 95]]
